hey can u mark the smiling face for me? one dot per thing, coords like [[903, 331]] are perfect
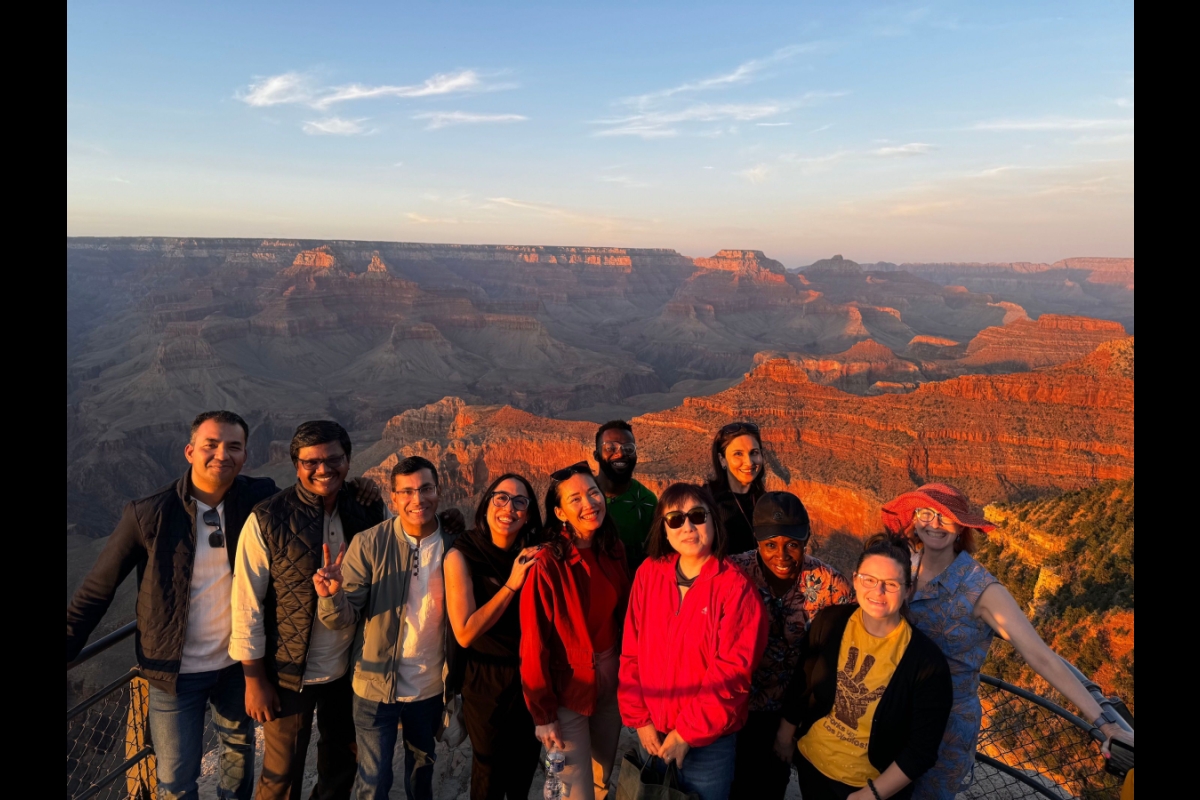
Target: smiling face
[[689, 539], [506, 521], [322, 468], [617, 456], [878, 601], [415, 499], [743, 460], [581, 504], [216, 452], [937, 533], [783, 556]]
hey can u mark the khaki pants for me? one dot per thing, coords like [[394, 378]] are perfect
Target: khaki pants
[[592, 739]]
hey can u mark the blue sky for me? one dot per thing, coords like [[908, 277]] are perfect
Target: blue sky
[[883, 131]]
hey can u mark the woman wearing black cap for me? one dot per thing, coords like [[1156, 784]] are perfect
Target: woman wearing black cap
[[793, 586], [737, 481]]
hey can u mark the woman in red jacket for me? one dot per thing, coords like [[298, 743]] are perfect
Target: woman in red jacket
[[571, 610], [695, 631]]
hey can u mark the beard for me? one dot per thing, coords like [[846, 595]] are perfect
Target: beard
[[618, 476]]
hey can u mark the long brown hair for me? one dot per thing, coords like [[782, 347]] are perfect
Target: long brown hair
[[557, 536], [531, 530], [657, 544], [719, 482]]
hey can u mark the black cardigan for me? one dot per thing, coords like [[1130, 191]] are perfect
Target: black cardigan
[[909, 721]]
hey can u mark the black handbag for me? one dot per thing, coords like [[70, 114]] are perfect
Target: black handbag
[[643, 781]]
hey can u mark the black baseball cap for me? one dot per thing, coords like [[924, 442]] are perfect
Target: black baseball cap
[[781, 514]]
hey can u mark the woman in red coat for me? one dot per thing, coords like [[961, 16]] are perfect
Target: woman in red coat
[[694, 634], [572, 606]]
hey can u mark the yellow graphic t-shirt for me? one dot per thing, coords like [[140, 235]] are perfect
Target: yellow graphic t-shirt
[[837, 743]]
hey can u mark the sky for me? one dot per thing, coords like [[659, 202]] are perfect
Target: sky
[[881, 131]]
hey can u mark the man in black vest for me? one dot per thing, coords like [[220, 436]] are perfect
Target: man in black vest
[[181, 540], [293, 664]]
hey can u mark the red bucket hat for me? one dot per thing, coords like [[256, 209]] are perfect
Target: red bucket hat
[[942, 498]]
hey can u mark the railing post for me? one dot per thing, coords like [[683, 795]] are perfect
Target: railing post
[[141, 779]]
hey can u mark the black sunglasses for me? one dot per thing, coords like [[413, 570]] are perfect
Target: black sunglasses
[[566, 472], [674, 519], [213, 520], [739, 427]]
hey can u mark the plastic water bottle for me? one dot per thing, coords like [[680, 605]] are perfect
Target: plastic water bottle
[[556, 761]]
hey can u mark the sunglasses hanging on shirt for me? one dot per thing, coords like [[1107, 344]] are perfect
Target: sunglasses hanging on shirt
[[212, 518]]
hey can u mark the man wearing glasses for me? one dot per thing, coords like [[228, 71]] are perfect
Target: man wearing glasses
[[293, 664], [630, 504], [182, 540], [391, 578]]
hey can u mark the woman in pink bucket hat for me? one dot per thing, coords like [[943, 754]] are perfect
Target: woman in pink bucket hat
[[961, 606]]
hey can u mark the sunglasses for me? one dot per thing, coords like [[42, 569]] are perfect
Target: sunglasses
[[565, 473], [674, 519], [739, 427], [213, 520]]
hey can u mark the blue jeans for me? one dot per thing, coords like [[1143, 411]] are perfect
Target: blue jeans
[[177, 732], [375, 727], [708, 771]]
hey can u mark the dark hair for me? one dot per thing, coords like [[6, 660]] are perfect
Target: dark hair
[[413, 464], [318, 431], [532, 529], [223, 417], [890, 546], [657, 544], [966, 539], [719, 482], [612, 425], [606, 538]]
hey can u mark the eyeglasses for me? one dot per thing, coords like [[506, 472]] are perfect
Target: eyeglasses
[[739, 427], [428, 490], [928, 515], [674, 519], [313, 464], [612, 448], [212, 518], [869, 582], [502, 499], [565, 473]]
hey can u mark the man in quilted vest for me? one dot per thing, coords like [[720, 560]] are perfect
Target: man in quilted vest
[[293, 664]]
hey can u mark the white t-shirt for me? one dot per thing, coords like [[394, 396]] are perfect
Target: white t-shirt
[[423, 632], [206, 642]]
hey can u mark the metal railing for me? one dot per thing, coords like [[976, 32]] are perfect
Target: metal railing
[[1029, 746]]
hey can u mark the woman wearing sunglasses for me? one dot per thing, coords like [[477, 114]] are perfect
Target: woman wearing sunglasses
[[961, 606], [737, 482], [693, 635], [485, 570], [571, 612], [871, 694]]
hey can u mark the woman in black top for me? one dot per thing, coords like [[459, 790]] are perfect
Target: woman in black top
[[737, 481], [484, 572], [871, 694]]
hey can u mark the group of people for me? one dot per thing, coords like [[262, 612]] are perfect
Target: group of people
[[697, 618]]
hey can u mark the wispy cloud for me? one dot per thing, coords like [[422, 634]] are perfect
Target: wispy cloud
[[1116, 138], [335, 126], [657, 124], [772, 124], [824, 127], [756, 174], [1051, 124], [560, 213], [910, 149], [300, 88], [423, 220], [444, 119], [623, 180]]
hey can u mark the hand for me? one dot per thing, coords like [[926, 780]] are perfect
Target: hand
[[785, 741], [520, 568], [1112, 730], [366, 491], [328, 579], [650, 738], [862, 794], [853, 699], [452, 521], [549, 736], [673, 748], [262, 701]]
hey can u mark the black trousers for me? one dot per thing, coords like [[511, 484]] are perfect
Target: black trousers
[[816, 786], [286, 743], [759, 774], [501, 730]]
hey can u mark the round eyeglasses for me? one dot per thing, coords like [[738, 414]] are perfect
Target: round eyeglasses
[[869, 582], [519, 502]]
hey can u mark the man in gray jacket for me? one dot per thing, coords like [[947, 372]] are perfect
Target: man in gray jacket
[[391, 578]]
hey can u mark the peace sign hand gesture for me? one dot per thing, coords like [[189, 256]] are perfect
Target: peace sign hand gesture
[[328, 579]]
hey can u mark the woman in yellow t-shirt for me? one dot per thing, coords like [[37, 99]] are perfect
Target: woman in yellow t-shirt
[[871, 694]]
